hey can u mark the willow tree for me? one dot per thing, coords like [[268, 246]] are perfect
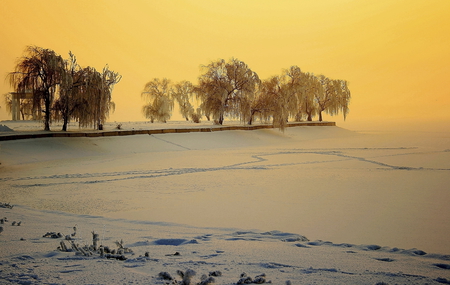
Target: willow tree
[[312, 87], [67, 102], [295, 84], [182, 92], [40, 71], [84, 95], [333, 98], [275, 94], [262, 105], [103, 104], [227, 88], [92, 96], [344, 96], [160, 103]]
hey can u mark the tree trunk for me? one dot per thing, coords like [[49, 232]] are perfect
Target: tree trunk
[[47, 115], [221, 119], [66, 121], [320, 116], [250, 121]]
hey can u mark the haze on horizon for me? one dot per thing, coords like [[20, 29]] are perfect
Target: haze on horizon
[[395, 55]]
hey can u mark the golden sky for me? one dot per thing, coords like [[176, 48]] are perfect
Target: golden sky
[[395, 54]]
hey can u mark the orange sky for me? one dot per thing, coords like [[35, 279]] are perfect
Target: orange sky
[[395, 54]]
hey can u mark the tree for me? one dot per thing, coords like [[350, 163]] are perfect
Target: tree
[[262, 105], [71, 80], [84, 97], [182, 92], [40, 71], [312, 87], [160, 105], [327, 95], [102, 103], [296, 83], [333, 98], [344, 96], [227, 88], [275, 93], [91, 96]]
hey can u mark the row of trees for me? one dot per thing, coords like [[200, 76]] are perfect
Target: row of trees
[[62, 90], [232, 89]]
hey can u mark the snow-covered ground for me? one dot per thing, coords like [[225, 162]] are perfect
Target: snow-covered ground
[[311, 205]]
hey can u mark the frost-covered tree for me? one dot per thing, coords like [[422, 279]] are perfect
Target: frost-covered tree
[[93, 97], [62, 90], [183, 92], [277, 99], [40, 70], [344, 96], [262, 105], [160, 104], [227, 88], [295, 83], [333, 97], [71, 80], [326, 98], [103, 104], [312, 87]]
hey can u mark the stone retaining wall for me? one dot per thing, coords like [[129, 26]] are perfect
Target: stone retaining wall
[[18, 136]]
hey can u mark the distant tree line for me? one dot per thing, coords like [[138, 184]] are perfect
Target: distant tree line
[[231, 89], [62, 90]]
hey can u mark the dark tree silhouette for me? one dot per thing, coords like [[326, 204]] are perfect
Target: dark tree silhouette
[[40, 71]]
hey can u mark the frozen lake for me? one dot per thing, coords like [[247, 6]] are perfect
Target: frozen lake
[[324, 183]]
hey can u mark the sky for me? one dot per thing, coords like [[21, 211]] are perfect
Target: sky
[[394, 54]]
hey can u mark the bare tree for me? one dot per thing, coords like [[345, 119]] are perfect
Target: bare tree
[[40, 71], [227, 88], [160, 105]]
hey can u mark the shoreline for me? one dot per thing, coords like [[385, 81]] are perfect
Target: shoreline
[[17, 135]]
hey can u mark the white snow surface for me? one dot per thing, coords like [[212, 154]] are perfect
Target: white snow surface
[[310, 205]]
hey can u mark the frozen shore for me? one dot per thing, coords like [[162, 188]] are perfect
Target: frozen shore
[[319, 205]]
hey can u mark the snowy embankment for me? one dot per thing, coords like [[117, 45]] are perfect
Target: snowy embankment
[[317, 205]]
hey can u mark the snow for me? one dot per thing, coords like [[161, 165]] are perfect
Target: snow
[[310, 205]]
